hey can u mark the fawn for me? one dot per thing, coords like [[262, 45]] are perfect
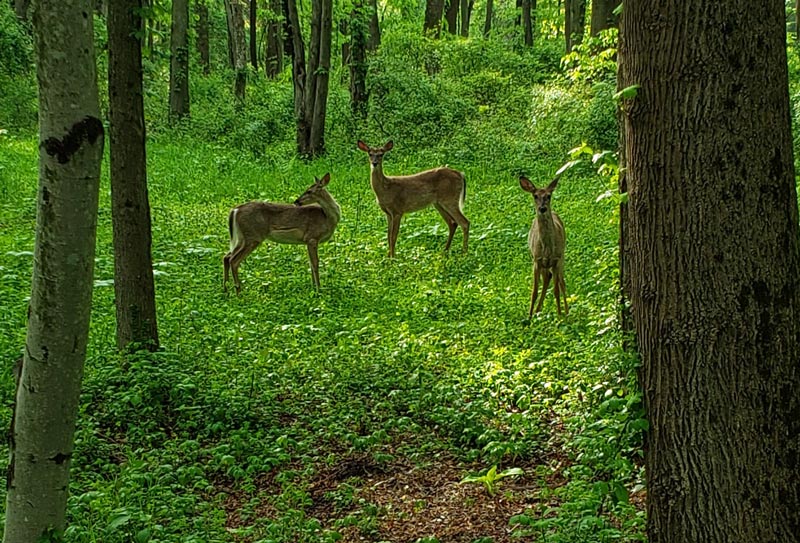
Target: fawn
[[251, 223], [444, 188], [546, 242]]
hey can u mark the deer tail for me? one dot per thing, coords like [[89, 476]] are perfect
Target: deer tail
[[233, 229], [463, 195]]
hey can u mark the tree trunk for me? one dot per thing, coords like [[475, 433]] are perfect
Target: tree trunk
[[21, 9], [234, 11], [202, 36], [254, 34], [487, 25], [295, 39], [527, 23], [133, 264], [451, 16], [603, 15], [625, 317], [359, 28], [179, 63], [344, 32], [321, 75], [374, 27], [796, 19], [434, 9], [715, 268], [274, 57], [70, 154], [575, 21], [465, 18]]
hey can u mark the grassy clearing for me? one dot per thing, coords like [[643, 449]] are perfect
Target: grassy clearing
[[286, 415]]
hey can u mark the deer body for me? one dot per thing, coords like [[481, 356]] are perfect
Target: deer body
[[251, 223], [546, 242], [443, 188]]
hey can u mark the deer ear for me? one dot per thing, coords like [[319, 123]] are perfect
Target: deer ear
[[325, 180], [526, 185], [553, 184], [363, 146], [388, 146]]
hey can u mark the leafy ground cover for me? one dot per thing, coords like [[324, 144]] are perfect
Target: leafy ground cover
[[354, 413]]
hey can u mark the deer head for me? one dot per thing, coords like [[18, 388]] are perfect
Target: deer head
[[375, 153], [541, 197], [312, 194]]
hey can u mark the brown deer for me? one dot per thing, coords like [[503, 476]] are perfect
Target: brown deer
[[251, 223], [444, 188], [546, 242]]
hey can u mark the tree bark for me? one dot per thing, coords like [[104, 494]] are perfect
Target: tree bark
[[21, 9], [133, 263], [254, 34], [487, 25], [295, 40], [322, 75], [575, 21], [359, 34], [465, 18], [179, 61], [451, 16], [202, 36], [234, 11], [715, 267], [625, 317], [374, 27], [434, 9], [274, 56], [527, 23], [603, 15], [71, 151]]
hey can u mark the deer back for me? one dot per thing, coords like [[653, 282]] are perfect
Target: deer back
[[406, 193], [283, 223]]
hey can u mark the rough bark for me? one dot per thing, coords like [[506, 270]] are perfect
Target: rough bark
[[130, 206], [434, 9], [322, 74], [487, 25], [625, 317], [359, 34], [374, 27], [465, 18], [297, 47], [254, 34], [527, 23], [715, 267], [179, 61], [274, 56], [574, 22], [70, 154], [202, 36], [234, 11], [451, 16], [603, 15]]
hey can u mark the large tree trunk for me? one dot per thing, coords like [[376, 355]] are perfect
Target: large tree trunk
[[70, 153], [434, 9], [202, 36], [254, 34], [133, 268], [451, 16], [715, 268], [295, 41], [574, 22], [358, 52], [603, 15], [487, 25], [179, 63], [527, 23], [274, 56], [374, 27], [234, 10]]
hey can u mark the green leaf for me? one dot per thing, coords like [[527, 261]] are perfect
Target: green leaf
[[119, 519], [627, 93]]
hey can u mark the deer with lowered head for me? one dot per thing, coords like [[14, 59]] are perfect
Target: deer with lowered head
[[443, 188], [546, 242], [310, 221]]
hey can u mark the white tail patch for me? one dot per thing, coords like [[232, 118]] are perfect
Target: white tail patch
[[236, 233]]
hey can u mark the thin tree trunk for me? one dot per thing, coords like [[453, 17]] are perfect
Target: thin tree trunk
[[70, 154], [527, 23], [451, 16], [133, 269], [434, 9], [796, 20], [202, 36], [358, 66], [374, 27], [603, 15], [344, 33], [21, 9], [295, 40], [274, 57], [575, 22], [487, 25], [254, 34], [465, 18], [179, 63], [715, 268], [322, 75], [234, 11]]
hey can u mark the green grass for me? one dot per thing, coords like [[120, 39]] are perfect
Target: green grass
[[406, 359]]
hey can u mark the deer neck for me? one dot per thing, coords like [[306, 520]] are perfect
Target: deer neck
[[330, 207], [546, 227], [377, 178]]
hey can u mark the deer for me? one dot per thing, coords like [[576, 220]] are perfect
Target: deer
[[443, 188], [546, 242], [310, 221]]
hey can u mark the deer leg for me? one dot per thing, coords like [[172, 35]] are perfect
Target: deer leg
[[226, 265], [314, 258], [534, 289], [236, 260], [394, 229], [545, 284], [557, 292], [451, 224], [463, 222], [560, 279]]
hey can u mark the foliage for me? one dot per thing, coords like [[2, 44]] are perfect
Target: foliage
[[594, 59], [491, 479]]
